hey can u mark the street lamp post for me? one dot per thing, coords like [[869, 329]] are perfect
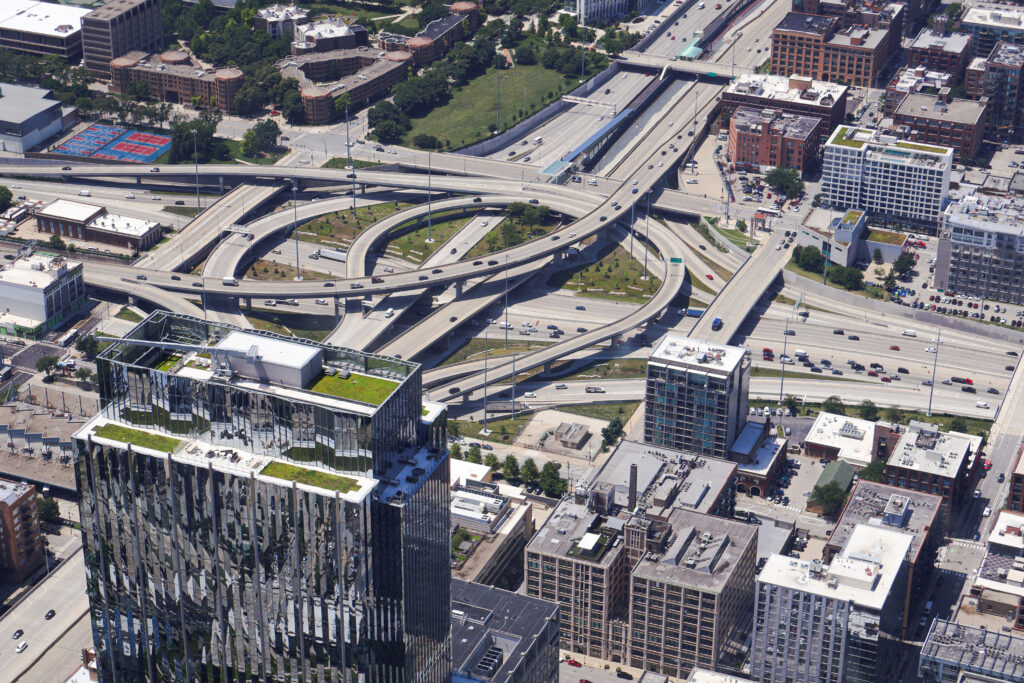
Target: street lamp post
[[647, 233], [782, 381], [632, 223], [485, 383], [195, 156], [430, 240], [348, 149], [935, 364], [506, 301], [295, 227]]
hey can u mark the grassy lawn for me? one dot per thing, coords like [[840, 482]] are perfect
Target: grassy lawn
[[167, 362], [289, 472], [341, 227], [604, 411], [620, 368], [137, 437], [723, 273], [869, 291], [269, 270], [315, 327], [408, 26], [735, 236], [467, 115], [474, 348], [975, 425], [264, 159], [705, 232], [613, 276], [189, 211], [413, 246], [364, 388], [503, 431], [128, 314]]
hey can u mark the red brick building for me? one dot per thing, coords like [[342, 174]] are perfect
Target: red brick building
[[768, 138], [948, 54], [21, 546], [943, 120], [817, 47]]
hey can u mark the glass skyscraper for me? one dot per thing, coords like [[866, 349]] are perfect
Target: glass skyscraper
[[257, 507]]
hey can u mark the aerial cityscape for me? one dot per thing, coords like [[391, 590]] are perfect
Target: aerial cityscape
[[546, 341]]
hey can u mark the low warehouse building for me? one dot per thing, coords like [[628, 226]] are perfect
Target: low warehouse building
[[92, 223]]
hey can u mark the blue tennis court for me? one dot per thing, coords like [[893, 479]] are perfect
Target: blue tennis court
[[100, 141]]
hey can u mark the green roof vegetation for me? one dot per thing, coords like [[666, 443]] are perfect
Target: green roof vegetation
[[363, 388], [137, 437], [852, 216], [886, 237], [921, 148], [331, 482], [166, 361], [840, 138]]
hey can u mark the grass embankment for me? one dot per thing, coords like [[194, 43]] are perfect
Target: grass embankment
[[613, 276], [261, 159], [473, 349], [187, 211], [137, 437], [315, 327], [128, 314], [622, 368], [342, 162], [869, 291], [413, 245], [271, 271], [467, 116], [502, 431], [338, 229], [324, 480], [975, 425], [604, 411], [510, 232]]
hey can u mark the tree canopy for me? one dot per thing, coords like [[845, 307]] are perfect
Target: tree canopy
[[831, 497], [834, 404], [785, 181], [207, 146], [529, 472], [551, 481], [868, 410]]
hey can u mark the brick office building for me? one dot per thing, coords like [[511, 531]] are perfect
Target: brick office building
[[949, 54], [943, 120], [21, 545], [764, 138], [172, 77], [791, 94], [118, 27], [817, 47]]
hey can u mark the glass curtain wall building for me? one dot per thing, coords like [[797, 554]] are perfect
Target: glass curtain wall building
[[257, 507]]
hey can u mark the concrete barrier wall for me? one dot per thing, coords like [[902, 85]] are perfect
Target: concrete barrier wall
[[897, 315]]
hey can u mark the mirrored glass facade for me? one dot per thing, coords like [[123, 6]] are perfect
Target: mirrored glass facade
[[207, 571]]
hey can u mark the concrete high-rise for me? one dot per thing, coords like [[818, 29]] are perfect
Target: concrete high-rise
[[118, 27], [263, 506], [835, 623], [696, 398]]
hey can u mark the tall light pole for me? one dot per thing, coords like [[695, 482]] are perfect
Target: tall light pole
[[632, 223], [295, 226], [513, 384], [485, 382], [348, 149], [195, 156], [782, 380], [583, 37], [506, 301], [430, 240], [497, 120], [935, 363], [647, 233]]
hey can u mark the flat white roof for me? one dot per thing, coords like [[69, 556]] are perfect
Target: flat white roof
[[123, 225], [853, 437], [461, 470], [925, 449], [45, 18], [271, 350], [1008, 530], [589, 541], [1003, 17], [36, 270], [696, 354], [863, 571], [769, 449], [778, 88], [70, 210]]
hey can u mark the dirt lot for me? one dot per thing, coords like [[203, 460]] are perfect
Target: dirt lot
[[548, 420]]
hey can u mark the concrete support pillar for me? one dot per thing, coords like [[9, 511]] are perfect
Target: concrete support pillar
[[353, 306], [138, 180], [221, 180], [245, 302], [458, 288], [131, 300], [557, 257], [338, 308], [547, 367], [362, 188]]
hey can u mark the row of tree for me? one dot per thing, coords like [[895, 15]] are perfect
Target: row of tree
[[549, 477], [811, 260]]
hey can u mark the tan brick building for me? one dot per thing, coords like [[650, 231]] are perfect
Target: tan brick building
[[949, 54], [172, 77]]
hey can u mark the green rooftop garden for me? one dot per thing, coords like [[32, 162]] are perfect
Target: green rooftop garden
[[852, 216], [363, 388], [137, 437], [886, 237], [840, 138], [921, 148], [165, 361], [331, 482]]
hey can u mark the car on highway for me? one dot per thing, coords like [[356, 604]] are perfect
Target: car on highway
[[50, 615], [987, 512], [853, 337], [21, 646], [573, 662], [18, 634], [894, 348], [581, 308], [65, 168], [789, 333], [710, 276]]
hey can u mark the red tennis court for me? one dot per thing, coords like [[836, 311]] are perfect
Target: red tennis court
[[132, 148]]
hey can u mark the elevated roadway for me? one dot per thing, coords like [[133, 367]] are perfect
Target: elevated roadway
[[673, 281], [694, 67], [742, 291]]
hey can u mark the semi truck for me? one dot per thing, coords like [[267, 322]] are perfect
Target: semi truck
[[332, 254], [230, 281]]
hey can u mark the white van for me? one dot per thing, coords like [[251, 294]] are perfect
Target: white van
[[800, 353], [537, 140], [388, 313], [909, 333], [981, 404], [84, 193]]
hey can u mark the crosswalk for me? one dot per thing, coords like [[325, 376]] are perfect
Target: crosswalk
[[973, 545]]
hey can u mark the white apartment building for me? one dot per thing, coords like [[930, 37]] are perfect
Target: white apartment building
[[890, 179], [835, 623], [39, 293]]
